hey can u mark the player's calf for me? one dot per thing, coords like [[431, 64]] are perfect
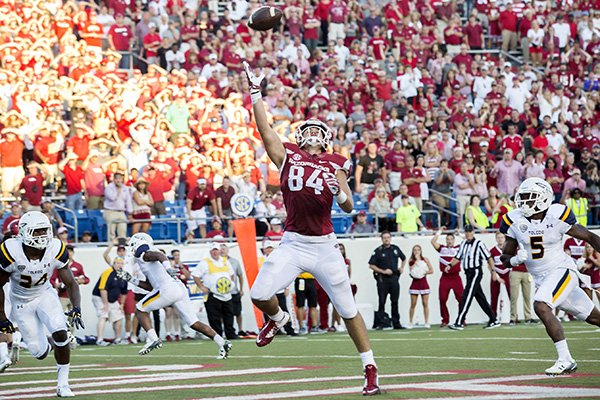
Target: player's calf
[[594, 317]]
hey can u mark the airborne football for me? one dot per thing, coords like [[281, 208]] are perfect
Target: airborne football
[[283, 199]]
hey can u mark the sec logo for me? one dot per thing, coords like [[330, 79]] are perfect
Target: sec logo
[[241, 205], [223, 285]]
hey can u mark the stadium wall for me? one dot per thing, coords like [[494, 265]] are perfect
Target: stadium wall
[[359, 251]]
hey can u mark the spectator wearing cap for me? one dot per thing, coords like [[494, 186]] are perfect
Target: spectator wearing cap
[[238, 290], [574, 182], [216, 229], [120, 39], [508, 173], [198, 198], [215, 276], [141, 207], [369, 168], [508, 22], [212, 65], [152, 43], [79, 275], [108, 298], [579, 205], [276, 229], [361, 225], [11, 160], [63, 234], [33, 186], [117, 204]]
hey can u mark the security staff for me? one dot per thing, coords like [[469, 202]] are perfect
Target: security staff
[[472, 253], [384, 263]]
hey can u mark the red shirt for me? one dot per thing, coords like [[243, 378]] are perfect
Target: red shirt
[[225, 197], [496, 252], [200, 198], [34, 188], [473, 33], [446, 256], [214, 233], [508, 20], [151, 39], [337, 13], [11, 153], [514, 143], [414, 189], [379, 45], [395, 160], [93, 34], [157, 186], [311, 33], [42, 145], [73, 178], [77, 270], [8, 220], [576, 247], [121, 36], [307, 199], [452, 39], [80, 146]]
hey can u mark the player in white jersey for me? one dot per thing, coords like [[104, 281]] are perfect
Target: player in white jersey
[[534, 236], [165, 290], [27, 262]]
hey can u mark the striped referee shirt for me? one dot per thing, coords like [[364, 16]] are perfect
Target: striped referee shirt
[[472, 254]]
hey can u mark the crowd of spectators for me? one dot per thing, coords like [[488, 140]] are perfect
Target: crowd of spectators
[[413, 91]]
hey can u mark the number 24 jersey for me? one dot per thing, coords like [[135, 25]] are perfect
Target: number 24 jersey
[[306, 196], [29, 278], [543, 239]]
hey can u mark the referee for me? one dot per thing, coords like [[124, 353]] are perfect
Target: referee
[[384, 263], [472, 253]]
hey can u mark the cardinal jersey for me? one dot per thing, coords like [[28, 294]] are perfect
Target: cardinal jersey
[[154, 271], [496, 252], [446, 256], [576, 247], [307, 198], [542, 238], [30, 278]]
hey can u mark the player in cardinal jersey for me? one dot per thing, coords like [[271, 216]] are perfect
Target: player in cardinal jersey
[[27, 262], [310, 180], [534, 236], [165, 290], [450, 279], [503, 272]]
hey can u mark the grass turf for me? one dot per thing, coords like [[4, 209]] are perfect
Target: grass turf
[[475, 352]]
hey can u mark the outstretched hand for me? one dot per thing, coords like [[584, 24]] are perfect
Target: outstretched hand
[[253, 80]]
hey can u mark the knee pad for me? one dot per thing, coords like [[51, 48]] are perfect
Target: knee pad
[[62, 340]]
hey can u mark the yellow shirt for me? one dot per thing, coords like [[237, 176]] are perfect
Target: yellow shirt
[[478, 215], [407, 217]]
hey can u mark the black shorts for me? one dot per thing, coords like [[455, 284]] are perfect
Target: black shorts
[[237, 304], [309, 294]]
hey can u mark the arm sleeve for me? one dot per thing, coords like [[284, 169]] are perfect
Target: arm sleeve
[[402, 255], [568, 219], [62, 256], [373, 259], [461, 250], [505, 225], [104, 279]]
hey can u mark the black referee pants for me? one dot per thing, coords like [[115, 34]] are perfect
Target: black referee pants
[[473, 290], [220, 315], [389, 285]]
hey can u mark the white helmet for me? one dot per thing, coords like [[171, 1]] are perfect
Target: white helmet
[[313, 132], [35, 230], [533, 196], [138, 240]]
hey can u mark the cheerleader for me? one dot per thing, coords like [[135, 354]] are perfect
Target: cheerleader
[[419, 267]]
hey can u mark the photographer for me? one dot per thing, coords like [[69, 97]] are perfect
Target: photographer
[[384, 263]]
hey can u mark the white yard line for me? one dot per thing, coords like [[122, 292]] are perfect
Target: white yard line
[[92, 367], [29, 395]]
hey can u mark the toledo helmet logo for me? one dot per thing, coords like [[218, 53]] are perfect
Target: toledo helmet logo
[[224, 285]]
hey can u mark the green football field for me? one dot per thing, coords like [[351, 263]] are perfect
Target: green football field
[[504, 363]]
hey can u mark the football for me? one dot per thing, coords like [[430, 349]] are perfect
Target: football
[[265, 18]]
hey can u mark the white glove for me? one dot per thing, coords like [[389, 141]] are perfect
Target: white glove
[[332, 183], [126, 276], [254, 80], [520, 258], [580, 262]]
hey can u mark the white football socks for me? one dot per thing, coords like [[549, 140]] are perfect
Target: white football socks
[[63, 374], [563, 350], [16, 338], [218, 339], [278, 317], [367, 358], [3, 351], [152, 335]]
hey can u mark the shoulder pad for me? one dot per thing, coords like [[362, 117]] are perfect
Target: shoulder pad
[[6, 258], [563, 213], [338, 161], [141, 250], [59, 250]]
